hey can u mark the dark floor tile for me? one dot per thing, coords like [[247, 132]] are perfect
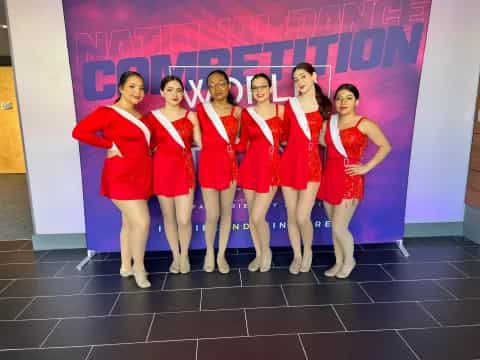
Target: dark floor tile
[[445, 343], [474, 251], [92, 268], [455, 312], [69, 306], [10, 308], [69, 255], [175, 350], [79, 353], [239, 260], [436, 241], [342, 293], [462, 288], [264, 347], [116, 283], [379, 247], [20, 257], [384, 316], [413, 271], [101, 330], [41, 287], [276, 277], [4, 284], [319, 258], [158, 301], [380, 257], [24, 334], [357, 345], [19, 271], [148, 255], [242, 297], [406, 291], [201, 279], [7, 245], [360, 273], [437, 253], [471, 268], [292, 320], [200, 324]]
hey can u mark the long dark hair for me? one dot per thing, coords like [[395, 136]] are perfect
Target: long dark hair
[[230, 98], [324, 103], [169, 78], [123, 79], [349, 87]]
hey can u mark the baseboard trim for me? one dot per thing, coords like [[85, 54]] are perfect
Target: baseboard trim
[[433, 229], [58, 241]]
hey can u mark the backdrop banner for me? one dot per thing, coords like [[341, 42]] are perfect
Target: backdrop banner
[[378, 45]]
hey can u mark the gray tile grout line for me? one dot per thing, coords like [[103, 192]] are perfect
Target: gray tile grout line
[[386, 272], [201, 298], [150, 328], [338, 317], [84, 287], [458, 269], [366, 293], [445, 289], [240, 275], [303, 347], [24, 308], [429, 314], [408, 345], [6, 287], [284, 295], [114, 304], [315, 276], [196, 350], [237, 337], [89, 352], [164, 282], [246, 321], [60, 270], [50, 333]]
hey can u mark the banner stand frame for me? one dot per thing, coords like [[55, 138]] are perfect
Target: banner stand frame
[[86, 260], [402, 248]]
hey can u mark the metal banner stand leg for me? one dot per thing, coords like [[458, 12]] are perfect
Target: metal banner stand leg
[[90, 255], [402, 248]]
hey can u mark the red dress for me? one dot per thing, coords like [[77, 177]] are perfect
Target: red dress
[[259, 169], [300, 162], [173, 172], [217, 165], [123, 178], [336, 184]]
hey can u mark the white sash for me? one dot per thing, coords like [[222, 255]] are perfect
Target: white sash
[[167, 124], [133, 120], [217, 122], [262, 124], [301, 117], [335, 135]]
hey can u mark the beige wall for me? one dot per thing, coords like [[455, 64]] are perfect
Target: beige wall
[[11, 147]]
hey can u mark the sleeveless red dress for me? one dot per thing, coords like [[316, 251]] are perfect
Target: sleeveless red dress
[[173, 172], [217, 165], [336, 184], [123, 178], [300, 162], [260, 168]]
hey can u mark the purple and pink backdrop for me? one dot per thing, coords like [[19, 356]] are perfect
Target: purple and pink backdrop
[[377, 45]]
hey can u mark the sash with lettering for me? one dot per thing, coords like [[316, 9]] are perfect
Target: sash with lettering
[[262, 124], [301, 117], [167, 124], [217, 122], [133, 120]]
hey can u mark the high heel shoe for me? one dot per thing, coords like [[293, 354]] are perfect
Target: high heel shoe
[[333, 270], [209, 262], [184, 265], [266, 261], [126, 273], [141, 279], [346, 270], [174, 267], [254, 264], [306, 262], [295, 266], [222, 265]]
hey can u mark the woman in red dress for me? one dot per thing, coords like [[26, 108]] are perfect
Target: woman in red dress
[[346, 135], [300, 167], [259, 170], [217, 168], [127, 171], [174, 130]]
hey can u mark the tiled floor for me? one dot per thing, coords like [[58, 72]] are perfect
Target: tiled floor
[[426, 306]]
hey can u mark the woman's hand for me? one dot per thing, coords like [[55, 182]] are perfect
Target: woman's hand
[[114, 151], [356, 169]]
